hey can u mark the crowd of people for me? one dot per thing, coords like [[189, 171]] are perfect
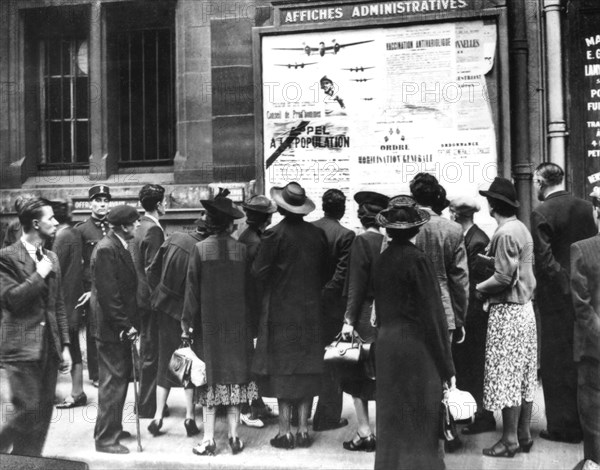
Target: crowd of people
[[440, 304]]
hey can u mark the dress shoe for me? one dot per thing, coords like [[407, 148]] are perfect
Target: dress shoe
[[303, 439], [251, 422], [79, 400], [480, 425], [340, 424], [560, 437], [124, 435], [366, 444], [154, 427], [205, 448], [112, 449], [190, 427], [236, 445], [95, 383], [283, 442], [501, 449], [525, 445]]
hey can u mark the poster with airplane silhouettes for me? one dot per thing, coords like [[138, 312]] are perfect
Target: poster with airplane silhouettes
[[367, 109]]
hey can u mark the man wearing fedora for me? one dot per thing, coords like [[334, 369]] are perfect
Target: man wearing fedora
[[145, 244], [259, 212], [115, 325], [585, 292], [92, 230], [339, 238], [556, 224]]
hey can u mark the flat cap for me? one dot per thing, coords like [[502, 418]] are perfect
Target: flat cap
[[123, 215], [465, 205]]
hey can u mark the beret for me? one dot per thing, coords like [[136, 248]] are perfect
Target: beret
[[123, 215]]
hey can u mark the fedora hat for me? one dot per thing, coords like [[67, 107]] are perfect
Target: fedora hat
[[222, 206], [260, 204], [371, 197], [402, 216], [503, 190], [292, 198]]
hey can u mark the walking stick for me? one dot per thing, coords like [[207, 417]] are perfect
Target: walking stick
[[135, 362]]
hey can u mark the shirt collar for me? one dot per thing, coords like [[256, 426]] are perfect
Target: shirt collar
[[31, 249], [123, 241]]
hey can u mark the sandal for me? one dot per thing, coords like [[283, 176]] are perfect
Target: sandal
[[505, 452], [79, 400], [205, 448], [367, 444]]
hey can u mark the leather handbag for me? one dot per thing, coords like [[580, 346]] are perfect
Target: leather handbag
[[181, 367], [448, 432], [343, 351]]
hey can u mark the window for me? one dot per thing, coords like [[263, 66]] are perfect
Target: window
[[65, 102]]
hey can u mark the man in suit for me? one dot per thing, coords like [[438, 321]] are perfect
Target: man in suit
[[34, 333], [469, 357], [92, 231], [443, 241], [113, 303], [585, 293], [339, 239], [556, 224], [144, 246]]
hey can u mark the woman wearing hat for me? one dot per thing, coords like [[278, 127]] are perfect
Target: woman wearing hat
[[291, 264], [215, 316], [359, 291], [413, 349], [510, 376]]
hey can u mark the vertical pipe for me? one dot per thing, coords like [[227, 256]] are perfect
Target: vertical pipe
[[556, 126], [519, 102]]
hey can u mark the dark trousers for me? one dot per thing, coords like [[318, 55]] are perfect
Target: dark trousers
[[32, 385], [149, 362], [558, 369], [329, 407], [114, 367], [588, 401], [90, 344]]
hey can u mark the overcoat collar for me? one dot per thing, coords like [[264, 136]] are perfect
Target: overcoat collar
[[123, 253], [556, 194]]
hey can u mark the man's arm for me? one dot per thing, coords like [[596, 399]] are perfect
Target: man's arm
[[545, 262], [107, 284], [581, 294], [18, 295], [458, 284], [151, 244], [341, 270]]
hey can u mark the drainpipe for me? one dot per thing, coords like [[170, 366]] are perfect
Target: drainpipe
[[519, 103], [557, 125]]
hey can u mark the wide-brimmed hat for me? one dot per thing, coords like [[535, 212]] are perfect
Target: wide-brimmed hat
[[292, 198], [402, 216], [371, 197], [123, 215], [465, 205], [222, 206], [99, 190], [260, 204], [402, 200], [503, 190]]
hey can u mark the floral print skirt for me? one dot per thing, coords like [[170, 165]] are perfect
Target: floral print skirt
[[227, 394], [510, 356]]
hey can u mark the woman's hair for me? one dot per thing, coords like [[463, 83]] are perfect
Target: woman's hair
[[255, 218], [217, 223], [367, 213], [402, 234], [501, 208]]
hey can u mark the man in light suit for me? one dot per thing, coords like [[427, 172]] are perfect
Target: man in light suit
[[115, 325], [148, 238], [34, 333], [585, 293], [558, 222]]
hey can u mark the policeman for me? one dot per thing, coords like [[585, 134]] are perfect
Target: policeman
[[92, 231]]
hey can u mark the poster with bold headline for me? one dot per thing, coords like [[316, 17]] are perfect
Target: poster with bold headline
[[368, 109]]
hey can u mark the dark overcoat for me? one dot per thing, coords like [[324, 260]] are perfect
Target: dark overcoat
[[252, 238], [92, 230], [292, 264], [215, 307], [413, 357], [68, 247], [114, 284]]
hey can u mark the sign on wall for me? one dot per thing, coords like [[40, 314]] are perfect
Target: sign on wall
[[368, 109]]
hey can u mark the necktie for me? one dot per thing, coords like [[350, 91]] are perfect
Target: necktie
[[39, 254]]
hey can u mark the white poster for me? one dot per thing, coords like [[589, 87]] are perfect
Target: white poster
[[371, 108]]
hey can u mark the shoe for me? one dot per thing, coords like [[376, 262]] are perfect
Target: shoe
[[251, 422], [340, 424], [560, 437], [205, 448], [79, 400], [525, 445], [112, 449], [303, 439], [506, 451], [95, 383], [236, 445], [366, 444], [480, 425], [283, 442], [190, 427], [154, 427], [124, 435]]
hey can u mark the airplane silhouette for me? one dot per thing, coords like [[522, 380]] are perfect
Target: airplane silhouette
[[296, 65], [322, 49], [359, 69], [361, 79], [368, 99]]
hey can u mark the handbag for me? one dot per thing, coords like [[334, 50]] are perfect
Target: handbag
[[343, 351], [188, 367], [448, 432]]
